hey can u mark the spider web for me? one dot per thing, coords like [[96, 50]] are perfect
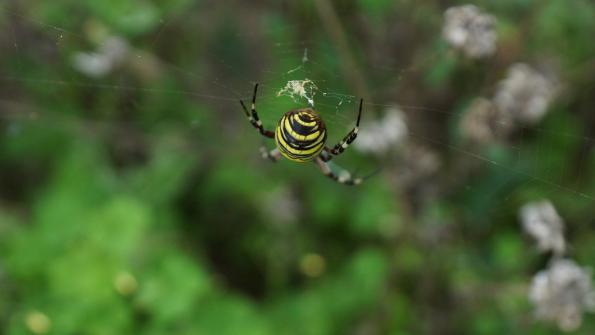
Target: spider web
[[228, 73]]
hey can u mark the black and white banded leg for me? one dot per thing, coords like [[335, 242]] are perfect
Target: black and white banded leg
[[273, 155], [343, 178], [253, 116], [347, 140]]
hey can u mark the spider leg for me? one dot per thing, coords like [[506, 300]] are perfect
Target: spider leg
[[351, 136], [273, 155], [325, 154], [344, 178], [253, 116]]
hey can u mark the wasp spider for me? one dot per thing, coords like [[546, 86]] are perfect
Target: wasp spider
[[300, 136]]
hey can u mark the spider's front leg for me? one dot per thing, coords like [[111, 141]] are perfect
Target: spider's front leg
[[345, 178], [346, 141], [253, 116]]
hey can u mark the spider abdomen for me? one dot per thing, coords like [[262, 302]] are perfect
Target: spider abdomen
[[300, 135]]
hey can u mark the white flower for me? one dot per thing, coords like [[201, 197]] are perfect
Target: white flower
[[542, 222], [417, 164], [281, 206], [466, 28], [562, 292], [112, 53], [483, 122], [378, 137], [525, 93]]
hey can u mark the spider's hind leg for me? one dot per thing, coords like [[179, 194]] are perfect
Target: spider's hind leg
[[344, 178], [273, 155], [325, 155]]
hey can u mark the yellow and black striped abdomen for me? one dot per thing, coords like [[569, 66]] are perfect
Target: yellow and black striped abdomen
[[300, 135]]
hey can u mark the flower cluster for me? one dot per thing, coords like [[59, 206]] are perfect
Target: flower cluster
[[418, 163], [525, 94], [382, 135], [562, 291], [522, 98], [468, 29], [542, 222], [282, 206], [110, 55], [484, 122]]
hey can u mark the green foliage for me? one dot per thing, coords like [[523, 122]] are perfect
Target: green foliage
[[136, 202]]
